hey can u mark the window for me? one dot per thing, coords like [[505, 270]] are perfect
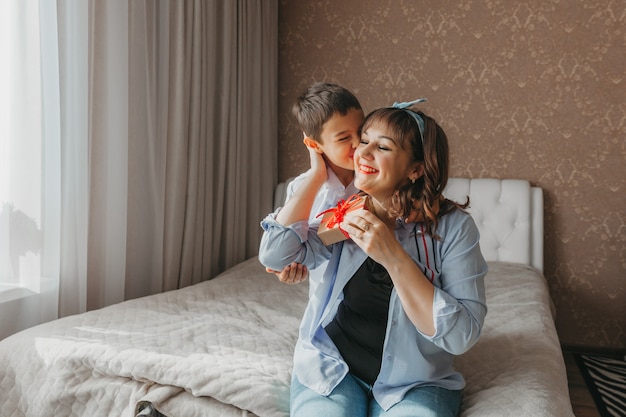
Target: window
[[29, 160]]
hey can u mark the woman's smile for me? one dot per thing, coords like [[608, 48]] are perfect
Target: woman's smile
[[364, 169]]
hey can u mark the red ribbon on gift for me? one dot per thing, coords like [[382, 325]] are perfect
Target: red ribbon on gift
[[342, 208]]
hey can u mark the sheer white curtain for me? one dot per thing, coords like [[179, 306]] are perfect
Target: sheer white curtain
[[138, 142], [73, 38], [30, 165]]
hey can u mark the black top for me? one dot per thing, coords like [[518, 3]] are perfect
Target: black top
[[358, 330]]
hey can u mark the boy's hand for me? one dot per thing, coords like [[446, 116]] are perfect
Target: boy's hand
[[291, 274], [316, 157]]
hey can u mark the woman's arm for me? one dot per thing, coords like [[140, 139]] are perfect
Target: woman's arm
[[451, 316], [460, 305]]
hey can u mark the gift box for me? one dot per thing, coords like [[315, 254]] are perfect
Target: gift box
[[330, 231]]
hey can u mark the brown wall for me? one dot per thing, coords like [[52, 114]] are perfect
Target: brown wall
[[524, 89]]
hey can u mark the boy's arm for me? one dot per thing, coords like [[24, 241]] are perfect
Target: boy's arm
[[298, 207]]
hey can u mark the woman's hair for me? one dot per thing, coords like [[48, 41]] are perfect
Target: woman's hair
[[425, 194], [319, 103]]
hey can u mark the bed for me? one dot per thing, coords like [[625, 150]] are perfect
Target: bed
[[224, 347]]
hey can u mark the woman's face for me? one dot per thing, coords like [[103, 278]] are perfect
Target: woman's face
[[381, 164]]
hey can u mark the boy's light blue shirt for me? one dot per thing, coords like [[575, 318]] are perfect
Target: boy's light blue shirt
[[329, 194], [410, 358]]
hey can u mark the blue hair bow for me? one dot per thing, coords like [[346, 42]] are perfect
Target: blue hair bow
[[405, 106]]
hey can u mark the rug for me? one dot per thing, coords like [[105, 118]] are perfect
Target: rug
[[606, 378]]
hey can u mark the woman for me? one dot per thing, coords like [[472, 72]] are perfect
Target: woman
[[398, 299]]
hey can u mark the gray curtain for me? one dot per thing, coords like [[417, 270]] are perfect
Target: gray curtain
[[182, 200]]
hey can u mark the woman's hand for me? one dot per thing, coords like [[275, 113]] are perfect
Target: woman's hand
[[372, 235]]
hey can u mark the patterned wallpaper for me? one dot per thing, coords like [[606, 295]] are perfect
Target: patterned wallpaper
[[524, 89]]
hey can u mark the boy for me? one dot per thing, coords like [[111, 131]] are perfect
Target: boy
[[330, 118]]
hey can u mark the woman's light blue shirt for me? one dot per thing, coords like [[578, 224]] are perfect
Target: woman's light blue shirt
[[453, 263]]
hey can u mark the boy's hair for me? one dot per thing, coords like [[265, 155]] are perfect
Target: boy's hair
[[319, 103]]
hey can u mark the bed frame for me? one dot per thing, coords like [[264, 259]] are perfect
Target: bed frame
[[224, 347]]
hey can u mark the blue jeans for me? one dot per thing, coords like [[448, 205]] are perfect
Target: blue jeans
[[353, 398]]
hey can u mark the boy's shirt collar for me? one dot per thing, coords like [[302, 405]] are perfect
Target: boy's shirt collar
[[334, 183]]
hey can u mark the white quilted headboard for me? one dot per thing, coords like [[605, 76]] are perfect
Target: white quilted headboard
[[508, 213]]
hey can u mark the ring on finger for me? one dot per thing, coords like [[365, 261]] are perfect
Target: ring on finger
[[366, 226]]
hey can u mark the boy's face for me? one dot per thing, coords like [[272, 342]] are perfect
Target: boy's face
[[340, 136]]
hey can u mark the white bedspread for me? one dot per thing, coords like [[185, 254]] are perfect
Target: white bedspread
[[224, 348]]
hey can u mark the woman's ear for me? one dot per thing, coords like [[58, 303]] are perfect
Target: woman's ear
[[416, 172], [313, 144]]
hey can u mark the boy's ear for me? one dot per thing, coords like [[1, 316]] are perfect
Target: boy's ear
[[313, 144]]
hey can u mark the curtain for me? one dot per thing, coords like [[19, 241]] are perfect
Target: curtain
[[73, 36], [30, 165], [109, 141], [203, 99], [162, 130]]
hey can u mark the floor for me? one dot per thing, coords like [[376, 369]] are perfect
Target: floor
[[581, 399]]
